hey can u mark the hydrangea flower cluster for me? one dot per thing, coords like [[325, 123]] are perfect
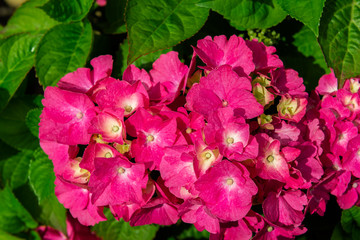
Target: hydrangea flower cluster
[[203, 144]]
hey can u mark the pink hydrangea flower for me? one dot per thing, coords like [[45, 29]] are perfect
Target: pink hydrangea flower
[[195, 212], [328, 84], [292, 109], [116, 180], [120, 94], [263, 56], [110, 125], [285, 208], [77, 199], [83, 79], [227, 190], [223, 88], [66, 117], [221, 51]]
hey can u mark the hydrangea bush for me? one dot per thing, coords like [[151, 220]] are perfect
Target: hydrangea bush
[[179, 119], [203, 143]]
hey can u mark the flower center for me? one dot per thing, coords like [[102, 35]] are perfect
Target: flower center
[[341, 136], [121, 170], [230, 140], [225, 103], [128, 108], [108, 155], [207, 155], [290, 110], [79, 115], [355, 185], [229, 181], [270, 229], [270, 158], [150, 138], [188, 130], [115, 128]]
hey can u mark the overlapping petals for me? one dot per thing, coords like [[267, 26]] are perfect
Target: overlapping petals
[[204, 143]]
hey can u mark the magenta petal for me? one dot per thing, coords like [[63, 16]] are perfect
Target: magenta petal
[[116, 180], [70, 195], [193, 211], [102, 67], [66, 117], [133, 74], [227, 190], [327, 84], [157, 211], [263, 56], [78, 81], [170, 73]]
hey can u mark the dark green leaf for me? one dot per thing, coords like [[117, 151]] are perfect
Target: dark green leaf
[[307, 44], [306, 11], [16, 59], [37, 100], [28, 18], [34, 236], [120, 230], [339, 234], [13, 216], [339, 37], [192, 233], [33, 120], [62, 50], [159, 24], [16, 168], [6, 150], [248, 14], [67, 10], [114, 12], [350, 221], [13, 130], [42, 175]]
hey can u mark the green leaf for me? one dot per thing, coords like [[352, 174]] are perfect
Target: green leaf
[[142, 62], [17, 55], [33, 120], [7, 236], [42, 175], [306, 11], [67, 10], [13, 130], [158, 24], [42, 179], [16, 169], [13, 216], [307, 44], [53, 213], [339, 37], [6, 150], [62, 50], [115, 15], [28, 18], [248, 14], [339, 234], [121, 230], [350, 221]]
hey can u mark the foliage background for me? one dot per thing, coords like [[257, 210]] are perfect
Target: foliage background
[[45, 39]]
